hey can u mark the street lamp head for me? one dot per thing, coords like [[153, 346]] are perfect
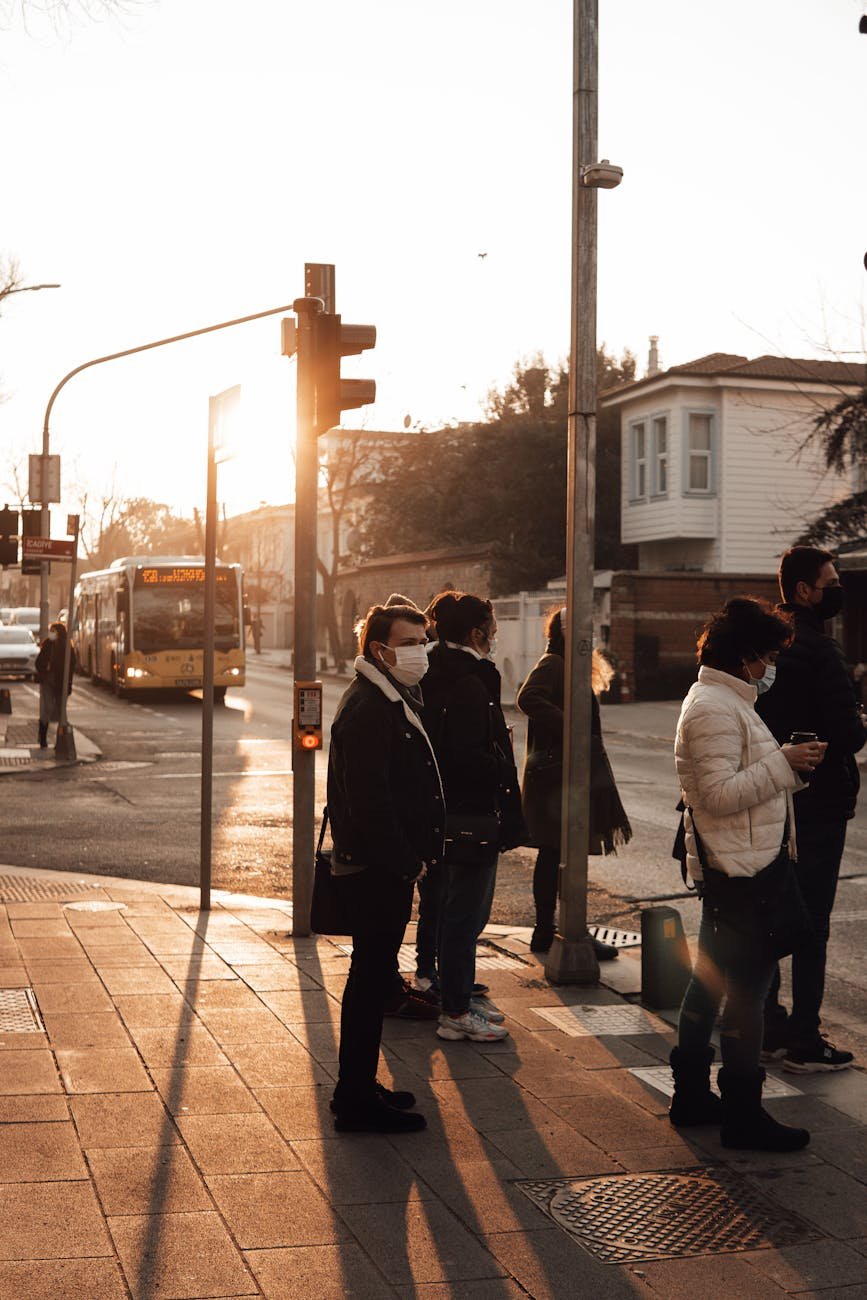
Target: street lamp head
[[603, 175]]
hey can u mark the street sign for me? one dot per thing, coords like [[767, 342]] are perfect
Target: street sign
[[47, 548], [44, 492]]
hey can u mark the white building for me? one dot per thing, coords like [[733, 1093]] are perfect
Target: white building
[[721, 469]]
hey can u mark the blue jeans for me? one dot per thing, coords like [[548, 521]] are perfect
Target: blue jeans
[[820, 849], [728, 964], [469, 893]]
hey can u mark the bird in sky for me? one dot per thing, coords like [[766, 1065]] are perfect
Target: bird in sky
[[483, 255]]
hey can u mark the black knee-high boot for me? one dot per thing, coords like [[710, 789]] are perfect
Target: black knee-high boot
[[43, 735], [746, 1125], [693, 1102]]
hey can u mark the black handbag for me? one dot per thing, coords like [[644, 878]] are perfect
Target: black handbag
[[472, 839], [770, 904], [329, 910]]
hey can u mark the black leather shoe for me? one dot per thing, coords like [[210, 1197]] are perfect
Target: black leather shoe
[[376, 1117]]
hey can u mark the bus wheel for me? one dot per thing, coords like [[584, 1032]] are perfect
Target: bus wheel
[[219, 694]]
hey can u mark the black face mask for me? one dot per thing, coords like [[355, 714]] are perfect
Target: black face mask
[[831, 603]]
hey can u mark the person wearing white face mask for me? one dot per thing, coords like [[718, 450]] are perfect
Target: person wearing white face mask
[[49, 672], [385, 803]]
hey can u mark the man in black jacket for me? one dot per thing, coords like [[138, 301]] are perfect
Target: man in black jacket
[[813, 691], [387, 815]]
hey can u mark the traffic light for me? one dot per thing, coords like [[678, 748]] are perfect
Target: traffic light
[[307, 723], [8, 537], [333, 341], [31, 527]]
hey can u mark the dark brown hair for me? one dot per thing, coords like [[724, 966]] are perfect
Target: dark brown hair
[[378, 621], [801, 564], [457, 614], [745, 628]]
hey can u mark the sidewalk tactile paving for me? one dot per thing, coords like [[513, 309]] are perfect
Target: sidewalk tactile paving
[[597, 1021], [486, 958], [33, 889], [19, 1013], [625, 1218], [660, 1078], [619, 938]]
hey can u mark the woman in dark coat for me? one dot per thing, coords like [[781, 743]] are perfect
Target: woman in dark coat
[[464, 718], [541, 699], [49, 670]]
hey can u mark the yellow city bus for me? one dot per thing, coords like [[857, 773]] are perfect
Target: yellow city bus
[[139, 625]]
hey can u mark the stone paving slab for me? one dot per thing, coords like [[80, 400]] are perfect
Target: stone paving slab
[[169, 1135]]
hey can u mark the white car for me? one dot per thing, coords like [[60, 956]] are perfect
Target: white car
[[26, 616], [18, 651]]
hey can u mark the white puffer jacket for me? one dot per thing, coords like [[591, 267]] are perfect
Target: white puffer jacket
[[733, 775]]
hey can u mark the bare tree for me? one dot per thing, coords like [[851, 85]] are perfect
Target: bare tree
[[347, 457], [61, 14]]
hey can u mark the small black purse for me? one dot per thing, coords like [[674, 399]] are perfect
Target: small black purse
[[472, 839], [329, 911]]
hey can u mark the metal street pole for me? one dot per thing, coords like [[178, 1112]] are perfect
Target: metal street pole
[[64, 744], [97, 361], [206, 812], [571, 958], [304, 654]]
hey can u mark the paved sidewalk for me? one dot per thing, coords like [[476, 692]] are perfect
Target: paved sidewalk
[[19, 742], [167, 1133]]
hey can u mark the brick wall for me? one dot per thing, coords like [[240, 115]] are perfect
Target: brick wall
[[656, 619]]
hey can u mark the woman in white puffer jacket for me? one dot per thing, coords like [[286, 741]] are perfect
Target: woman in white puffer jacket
[[737, 786]]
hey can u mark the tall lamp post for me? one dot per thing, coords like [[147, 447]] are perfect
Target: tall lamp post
[[571, 958]]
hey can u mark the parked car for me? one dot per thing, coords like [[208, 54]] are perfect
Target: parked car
[[26, 616], [5, 614], [18, 651]]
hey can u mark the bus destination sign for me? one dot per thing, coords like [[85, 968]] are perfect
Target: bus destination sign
[[175, 577]]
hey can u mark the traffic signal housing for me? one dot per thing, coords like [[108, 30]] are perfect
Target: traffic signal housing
[[8, 537], [333, 341], [307, 723], [31, 526]]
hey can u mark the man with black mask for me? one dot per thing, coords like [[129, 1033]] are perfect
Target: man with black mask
[[813, 692]]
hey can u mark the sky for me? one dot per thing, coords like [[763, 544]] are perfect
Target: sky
[[175, 165]]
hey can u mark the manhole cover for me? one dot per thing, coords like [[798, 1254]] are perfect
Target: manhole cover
[[619, 938], [19, 1013], [600, 1020], [33, 889], [659, 1077], [631, 1217], [96, 905]]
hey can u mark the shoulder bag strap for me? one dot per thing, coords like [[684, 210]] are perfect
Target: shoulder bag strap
[[322, 830]]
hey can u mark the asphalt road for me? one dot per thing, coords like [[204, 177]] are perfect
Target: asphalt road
[[136, 812]]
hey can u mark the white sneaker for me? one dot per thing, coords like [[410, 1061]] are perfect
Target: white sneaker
[[470, 1025], [486, 1011]]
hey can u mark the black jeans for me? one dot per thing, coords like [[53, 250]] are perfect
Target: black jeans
[[469, 892], [546, 877], [729, 964], [820, 850], [368, 987], [431, 892]]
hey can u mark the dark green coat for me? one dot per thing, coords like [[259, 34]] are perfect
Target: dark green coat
[[541, 699]]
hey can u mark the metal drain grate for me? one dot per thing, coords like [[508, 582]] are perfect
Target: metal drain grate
[[19, 1013], [35, 889], [619, 938], [600, 1020], [622, 1218], [14, 757]]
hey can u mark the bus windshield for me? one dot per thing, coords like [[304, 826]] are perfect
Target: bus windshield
[[171, 615]]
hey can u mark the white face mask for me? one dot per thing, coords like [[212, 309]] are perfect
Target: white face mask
[[52, 636], [411, 664], [767, 679]]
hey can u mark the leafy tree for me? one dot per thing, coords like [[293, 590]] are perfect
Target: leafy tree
[[842, 430], [501, 481]]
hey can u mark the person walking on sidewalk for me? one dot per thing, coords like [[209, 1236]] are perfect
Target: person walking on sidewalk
[[541, 699], [465, 721], [813, 692], [387, 815], [49, 671], [737, 784]]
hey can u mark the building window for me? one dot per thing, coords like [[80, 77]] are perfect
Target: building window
[[700, 452], [639, 461], [660, 455]]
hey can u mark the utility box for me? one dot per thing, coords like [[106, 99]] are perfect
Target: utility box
[[665, 963]]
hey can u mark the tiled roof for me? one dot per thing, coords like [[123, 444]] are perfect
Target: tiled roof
[[731, 366]]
